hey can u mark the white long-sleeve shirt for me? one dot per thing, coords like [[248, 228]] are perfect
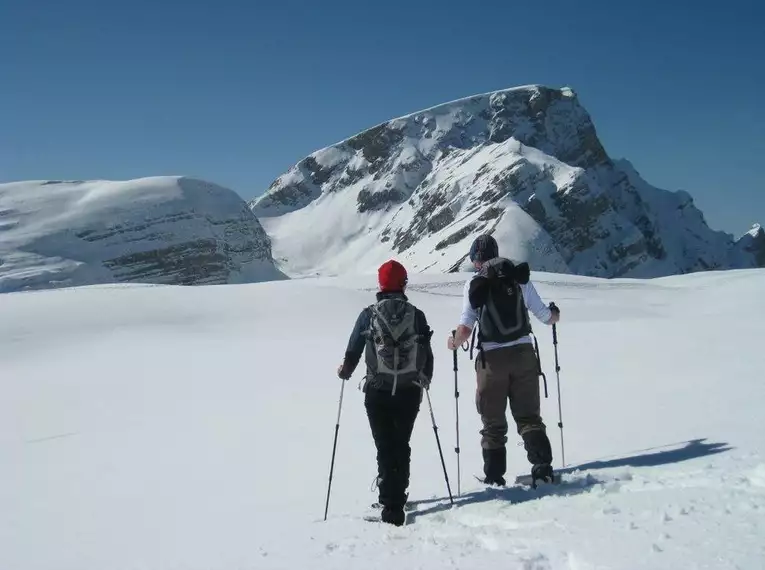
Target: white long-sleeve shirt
[[530, 296]]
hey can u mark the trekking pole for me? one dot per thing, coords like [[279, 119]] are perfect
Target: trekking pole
[[438, 442], [334, 447], [557, 374], [457, 407]]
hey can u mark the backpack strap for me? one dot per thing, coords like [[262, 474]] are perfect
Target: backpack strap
[[539, 364], [480, 347], [480, 340], [369, 337], [367, 334]]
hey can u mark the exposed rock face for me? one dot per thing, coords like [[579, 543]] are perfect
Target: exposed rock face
[[753, 243], [166, 230], [524, 164]]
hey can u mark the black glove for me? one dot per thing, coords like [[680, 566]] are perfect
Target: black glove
[[344, 372], [554, 314]]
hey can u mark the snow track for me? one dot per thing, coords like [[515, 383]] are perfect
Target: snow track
[[657, 514]]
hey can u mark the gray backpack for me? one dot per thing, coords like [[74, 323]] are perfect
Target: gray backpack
[[395, 355]]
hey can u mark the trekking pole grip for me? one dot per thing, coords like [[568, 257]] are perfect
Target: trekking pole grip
[[554, 308], [454, 356]]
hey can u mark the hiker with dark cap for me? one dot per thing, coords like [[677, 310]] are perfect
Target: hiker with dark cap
[[498, 298], [395, 337]]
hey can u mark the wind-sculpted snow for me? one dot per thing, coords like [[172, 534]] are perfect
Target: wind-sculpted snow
[[524, 164], [155, 230]]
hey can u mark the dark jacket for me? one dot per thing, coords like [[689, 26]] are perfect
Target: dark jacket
[[358, 343]]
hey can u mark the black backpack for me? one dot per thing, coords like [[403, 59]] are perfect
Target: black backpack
[[496, 293]]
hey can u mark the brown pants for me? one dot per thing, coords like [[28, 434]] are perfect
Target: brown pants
[[511, 375]]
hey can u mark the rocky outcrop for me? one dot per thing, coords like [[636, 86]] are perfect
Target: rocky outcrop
[[525, 164], [753, 244], [167, 230]]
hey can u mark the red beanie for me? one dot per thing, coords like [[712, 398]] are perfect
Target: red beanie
[[391, 276]]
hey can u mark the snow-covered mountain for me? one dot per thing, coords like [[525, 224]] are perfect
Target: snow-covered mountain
[[524, 164], [170, 230]]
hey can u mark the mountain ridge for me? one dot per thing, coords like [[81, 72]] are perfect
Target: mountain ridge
[[408, 179]]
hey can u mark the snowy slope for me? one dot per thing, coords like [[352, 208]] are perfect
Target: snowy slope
[[330, 236], [160, 427], [524, 164], [158, 230]]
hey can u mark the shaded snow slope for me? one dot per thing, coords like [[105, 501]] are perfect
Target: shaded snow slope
[[524, 164], [162, 427], [158, 230]]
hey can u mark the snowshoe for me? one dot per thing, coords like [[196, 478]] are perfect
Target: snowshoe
[[387, 516], [539, 473], [409, 506], [497, 483]]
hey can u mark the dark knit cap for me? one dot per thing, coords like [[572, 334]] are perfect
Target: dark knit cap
[[484, 248]]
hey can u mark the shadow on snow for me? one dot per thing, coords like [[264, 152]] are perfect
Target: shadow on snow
[[692, 449], [651, 457]]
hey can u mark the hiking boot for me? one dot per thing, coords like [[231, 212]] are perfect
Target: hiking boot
[[537, 445], [379, 504], [393, 515], [496, 481], [494, 465], [543, 472]]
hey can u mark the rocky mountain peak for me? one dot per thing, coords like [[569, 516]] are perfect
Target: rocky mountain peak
[[535, 116], [524, 164]]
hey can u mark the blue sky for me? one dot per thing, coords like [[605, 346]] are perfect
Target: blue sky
[[238, 91]]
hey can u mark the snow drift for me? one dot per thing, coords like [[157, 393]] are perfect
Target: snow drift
[[167, 230], [524, 164]]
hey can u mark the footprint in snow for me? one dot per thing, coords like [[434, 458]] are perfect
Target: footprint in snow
[[538, 562]]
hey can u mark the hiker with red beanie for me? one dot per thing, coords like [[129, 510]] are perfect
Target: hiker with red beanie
[[395, 338]]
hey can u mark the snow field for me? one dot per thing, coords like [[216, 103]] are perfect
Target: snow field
[[163, 427]]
